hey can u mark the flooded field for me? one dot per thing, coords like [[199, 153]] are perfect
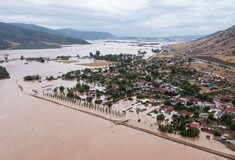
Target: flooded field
[[36, 129], [82, 50]]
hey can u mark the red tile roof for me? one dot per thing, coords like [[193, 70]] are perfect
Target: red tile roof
[[229, 110], [169, 108], [184, 112], [164, 71], [193, 125]]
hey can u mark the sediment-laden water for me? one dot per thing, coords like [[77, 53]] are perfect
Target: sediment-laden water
[[31, 128]]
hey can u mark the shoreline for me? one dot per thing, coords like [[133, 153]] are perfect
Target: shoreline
[[118, 122]]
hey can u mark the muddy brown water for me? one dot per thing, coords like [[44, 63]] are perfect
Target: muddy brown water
[[31, 128]]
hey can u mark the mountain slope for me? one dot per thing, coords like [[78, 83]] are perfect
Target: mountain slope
[[68, 32], [221, 42], [88, 35], [218, 47], [17, 37], [34, 27]]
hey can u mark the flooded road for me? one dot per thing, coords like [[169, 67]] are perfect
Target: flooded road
[[31, 128]]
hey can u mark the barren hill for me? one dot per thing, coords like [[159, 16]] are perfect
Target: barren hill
[[217, 46], [222, 42]]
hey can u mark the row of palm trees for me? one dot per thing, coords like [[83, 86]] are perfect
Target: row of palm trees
[[84, 104]]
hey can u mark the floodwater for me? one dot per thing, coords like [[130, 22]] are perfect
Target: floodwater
[[33, 129]]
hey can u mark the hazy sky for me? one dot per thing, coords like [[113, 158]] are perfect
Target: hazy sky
[[124, 17]]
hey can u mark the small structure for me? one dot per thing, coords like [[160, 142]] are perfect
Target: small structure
[[185, 113], [164, 71], [222, 127], [169, 109], [194, 125], [203, 116], [210, 85], [223, 138], [230, 110], [208, 127]]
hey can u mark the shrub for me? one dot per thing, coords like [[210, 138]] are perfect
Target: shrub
[[98, 101], [191, 132], [160, 117], [140, 96], [232, 126], [217, 133], [31, 78]]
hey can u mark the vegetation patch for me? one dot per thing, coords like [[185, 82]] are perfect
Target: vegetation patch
[[3, 73], [32, 77]]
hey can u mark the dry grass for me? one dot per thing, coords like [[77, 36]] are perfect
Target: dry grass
[[221, 71], [97, 63], [181, 47], [226, 58], [204, 89], [162, 56]]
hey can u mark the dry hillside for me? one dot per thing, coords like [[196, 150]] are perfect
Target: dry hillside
[[220, 45]]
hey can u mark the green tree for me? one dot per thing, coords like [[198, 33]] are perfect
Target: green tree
[[196, 114], [109, 104], [232, 126], [140, 96], [233, 102], [191, 132], [89, 99], [189, 103], [21, 57], [70, 94], [160, 117], [217, 133], [182, 126], [97, 53], [167, 102], [61, 88], [55, 90], [206, 109], [91, 54], [98, 101], [227, 119]]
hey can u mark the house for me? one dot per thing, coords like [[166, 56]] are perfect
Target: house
[[230, 110], [200, 104], [185, 113], [206, 80], [174, 102], [208, 127], [194, 125], [115, 86], [203, 116], [218, 114], [169, 109], [164, 71], [183, 101]]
